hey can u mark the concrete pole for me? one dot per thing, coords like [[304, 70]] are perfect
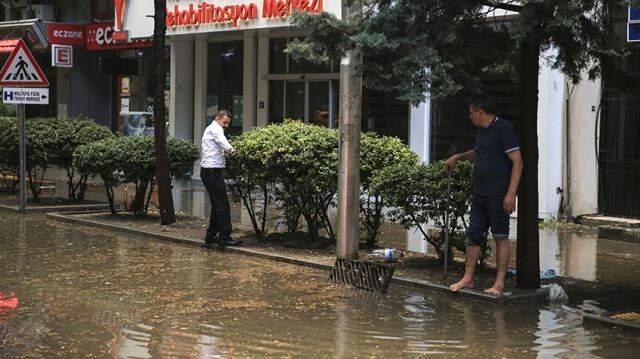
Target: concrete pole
[[348, 232]]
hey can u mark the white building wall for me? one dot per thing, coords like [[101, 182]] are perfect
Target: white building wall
[[550, 130], [583, 113], [250, 79], [262, 89], [201, 46], [182, 80], [420, 130]]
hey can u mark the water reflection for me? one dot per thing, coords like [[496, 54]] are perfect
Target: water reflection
[[87, 293]]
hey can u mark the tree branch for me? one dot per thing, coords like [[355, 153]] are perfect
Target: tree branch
[[509, 6]]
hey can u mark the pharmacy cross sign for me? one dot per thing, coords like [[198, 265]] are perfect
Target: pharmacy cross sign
[[21, 69]]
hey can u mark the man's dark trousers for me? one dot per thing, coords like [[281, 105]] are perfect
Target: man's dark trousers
[[220, 219]]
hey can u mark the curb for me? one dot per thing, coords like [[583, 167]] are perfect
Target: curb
[[619, 233], [57, 209], [609, 321], [519, 296]]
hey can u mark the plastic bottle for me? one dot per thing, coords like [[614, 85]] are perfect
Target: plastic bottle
[[386, 254]]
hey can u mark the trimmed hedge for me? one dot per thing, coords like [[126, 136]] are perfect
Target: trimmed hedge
[[123, 159], [49, 141]]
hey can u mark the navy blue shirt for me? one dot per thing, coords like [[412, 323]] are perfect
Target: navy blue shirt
[[492, 166]]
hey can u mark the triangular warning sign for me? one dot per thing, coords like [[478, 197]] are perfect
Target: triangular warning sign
[[21, 69]]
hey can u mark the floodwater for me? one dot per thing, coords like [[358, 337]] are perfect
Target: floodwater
[[73, 292], [574, 252]]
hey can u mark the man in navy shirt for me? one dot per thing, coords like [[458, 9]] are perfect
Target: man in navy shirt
[[496, 175]]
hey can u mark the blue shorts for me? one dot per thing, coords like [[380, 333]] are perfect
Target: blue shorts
[[487, 212]]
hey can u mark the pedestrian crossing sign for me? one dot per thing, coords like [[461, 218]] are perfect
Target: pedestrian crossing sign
[[21, 69]]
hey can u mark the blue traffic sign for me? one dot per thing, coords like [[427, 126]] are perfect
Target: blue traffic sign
[[633, 25]]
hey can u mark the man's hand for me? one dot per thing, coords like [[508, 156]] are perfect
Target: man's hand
[[450, 163], [509, 204]]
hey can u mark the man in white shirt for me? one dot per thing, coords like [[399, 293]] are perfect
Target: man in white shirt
[[214, 147]]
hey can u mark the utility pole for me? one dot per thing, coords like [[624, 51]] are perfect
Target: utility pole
[[163, 177], [348, 229]]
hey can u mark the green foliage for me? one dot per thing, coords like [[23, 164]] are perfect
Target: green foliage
[[182, 154], [417, 196], [376, 154], [8, 149], [41, 144], [69, 134], [101, 158], [304, 161], [49, 141], [440, 46], [132, 160], [298, 162], [251, 178]]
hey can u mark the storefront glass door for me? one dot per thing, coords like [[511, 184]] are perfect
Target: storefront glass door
[[309, 101]]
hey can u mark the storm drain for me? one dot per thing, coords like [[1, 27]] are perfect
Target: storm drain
[[628, 316], [362, 274]]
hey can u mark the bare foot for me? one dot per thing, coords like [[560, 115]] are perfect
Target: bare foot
[[495, 290], [463, 283]]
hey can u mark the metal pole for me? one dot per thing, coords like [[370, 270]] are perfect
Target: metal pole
[[23, 159], [446, 226], [348, 229]]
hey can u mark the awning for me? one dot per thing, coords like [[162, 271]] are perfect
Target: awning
[[32, 31]]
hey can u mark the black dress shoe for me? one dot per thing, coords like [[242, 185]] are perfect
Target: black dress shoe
[[210, 245], [231, 242]]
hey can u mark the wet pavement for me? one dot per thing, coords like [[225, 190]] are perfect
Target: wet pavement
[[71, 292]]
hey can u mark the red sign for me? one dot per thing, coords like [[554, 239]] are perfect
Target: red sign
[[209, 13], [8, 45], [66, 34], [100, 37], [120, 7], [62, 55], [21, 69]]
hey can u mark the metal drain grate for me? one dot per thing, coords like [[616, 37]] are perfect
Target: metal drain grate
[[629, 316], [362, 274]]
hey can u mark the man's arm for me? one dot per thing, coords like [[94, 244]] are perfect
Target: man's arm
[[509, 204], [220, 139], [464, 156]]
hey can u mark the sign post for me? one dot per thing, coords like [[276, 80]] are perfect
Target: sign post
[[23, 159], [21, 69]]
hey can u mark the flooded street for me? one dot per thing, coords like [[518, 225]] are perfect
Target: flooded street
[[69, 292]]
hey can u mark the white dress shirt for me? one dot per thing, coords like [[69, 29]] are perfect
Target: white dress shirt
[[214, 145]]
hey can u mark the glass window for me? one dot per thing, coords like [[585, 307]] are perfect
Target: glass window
[[282, 63], [276, 101], [295, 100], [384, 114], [224, 82], [277, 57], [319, 103]]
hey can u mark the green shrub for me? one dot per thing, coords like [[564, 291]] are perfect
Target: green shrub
[[71, 133], [250, 177], [305, 163], [132, 160], [41, 136], [377, 153], [9, 151], [101, 158], [417, 196], [182, 154], [299, 162]]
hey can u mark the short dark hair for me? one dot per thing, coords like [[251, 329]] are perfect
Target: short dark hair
[[482, 102], [223, 113]]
